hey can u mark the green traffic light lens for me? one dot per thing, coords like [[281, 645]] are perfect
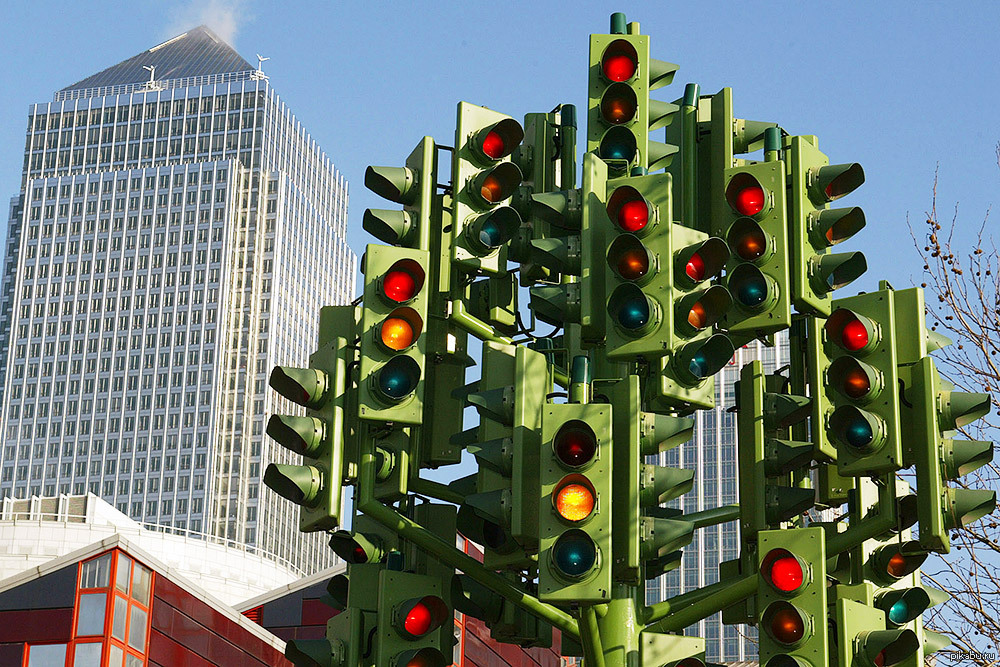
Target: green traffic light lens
[[490, 234], [752, 293], [574, 554], [397, 378], [618, 143], [634, 313], [899, 612], [859, 434], [699, 365]]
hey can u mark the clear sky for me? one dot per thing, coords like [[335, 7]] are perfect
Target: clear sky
[[901, 87]]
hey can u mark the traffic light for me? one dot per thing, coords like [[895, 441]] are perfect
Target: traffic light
[[765, 454], [415, 624], [863, 641], [318, 436], [937, 412], [621, 115], [483, 177], [754, 227], [367, 542], [502, 514], [695, 353], [812, 184], [507, 623], [393, 348], [574, 518], [642, 532], [863, 384], [791, 597], [413, 187]]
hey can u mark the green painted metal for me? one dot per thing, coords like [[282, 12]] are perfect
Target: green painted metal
[[758, 271], [669, 616], [815, 227], [472, 171], [878, 409], [593, 245], [778, 553], [939, 458]]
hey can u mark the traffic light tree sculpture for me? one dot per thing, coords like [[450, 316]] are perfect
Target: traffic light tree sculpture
[[665, 257]]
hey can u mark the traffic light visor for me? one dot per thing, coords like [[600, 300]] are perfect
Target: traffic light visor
[[491, 230], [701, 261], [703, 309], [835, 181], [304, 386], [497, 184]]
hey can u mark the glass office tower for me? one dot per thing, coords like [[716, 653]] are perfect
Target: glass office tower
[[175, 233], [712, 455]]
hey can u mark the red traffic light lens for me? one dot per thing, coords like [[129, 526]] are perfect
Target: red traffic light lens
[[633, 215], [359, 555], [575, 444], [421, 616], [418, 620], [786, 573], [620, 61], [854, 335], [399, 286], [750, 200], [695, 268], [493, 145]]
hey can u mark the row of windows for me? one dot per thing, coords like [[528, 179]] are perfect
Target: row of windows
[[162, 200], [107, 185], [148, 110], [147, 130]]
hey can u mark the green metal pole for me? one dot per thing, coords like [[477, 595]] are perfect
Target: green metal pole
[[689, 156], [620, 631], [436, 490], [474, 325], [590, 637], [447, 553], [567, 146], [714, 516], [579, 382], [662, 610], [722, 595]]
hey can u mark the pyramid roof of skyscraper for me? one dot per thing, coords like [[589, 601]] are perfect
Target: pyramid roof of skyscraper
[[197, 52]]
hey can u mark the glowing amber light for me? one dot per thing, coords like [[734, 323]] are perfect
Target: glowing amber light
[[493, 145], [897, 566], [574, 502], [786, 626], [856, 383], [397, 333], [633, 264], [491, 189], [633, 215], [697, 316]]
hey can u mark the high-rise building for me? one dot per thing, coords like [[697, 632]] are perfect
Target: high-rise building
[[175, 233], [711, 453]]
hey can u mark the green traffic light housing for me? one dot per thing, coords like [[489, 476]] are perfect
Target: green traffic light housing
[[892, 562], [497, 141], [302, 435], [830, 272], [299, 484], [830, 226], [397, 184], [703, 358], [492, 186], [389, 226], [700, 310], [305, 386], [834, 181], [491, 230], [356, 548], [885, 648]]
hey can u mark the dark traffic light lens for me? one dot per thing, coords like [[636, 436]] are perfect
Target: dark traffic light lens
[[574, 554], [695, 268], [785, 623], [859, 434], [899, 612], [633, 264], [699, 365], [359, 555], [398, 378], [618, 143], [493, 145], [752, 292], [751, 246], [575, 444], [634, 313], [856, 383], [618, 105]]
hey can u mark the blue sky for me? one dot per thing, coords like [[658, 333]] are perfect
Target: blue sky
[[902, 88]]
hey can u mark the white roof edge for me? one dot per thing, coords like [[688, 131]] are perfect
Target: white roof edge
[[297, 585]]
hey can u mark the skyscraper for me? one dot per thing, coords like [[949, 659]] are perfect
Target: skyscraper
[[711, 453], [175, 233]]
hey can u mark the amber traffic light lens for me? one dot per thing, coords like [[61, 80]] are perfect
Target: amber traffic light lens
[[856, 383], [786, 625], [397, 333], [574, 501]]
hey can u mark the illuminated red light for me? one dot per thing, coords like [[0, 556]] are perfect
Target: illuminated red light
[[750, 200], [359, 555], [493, 145], [854, 336], [633, 215], [399, 285], [695, 268], [786, 574], [619, 67], [418, 620]]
